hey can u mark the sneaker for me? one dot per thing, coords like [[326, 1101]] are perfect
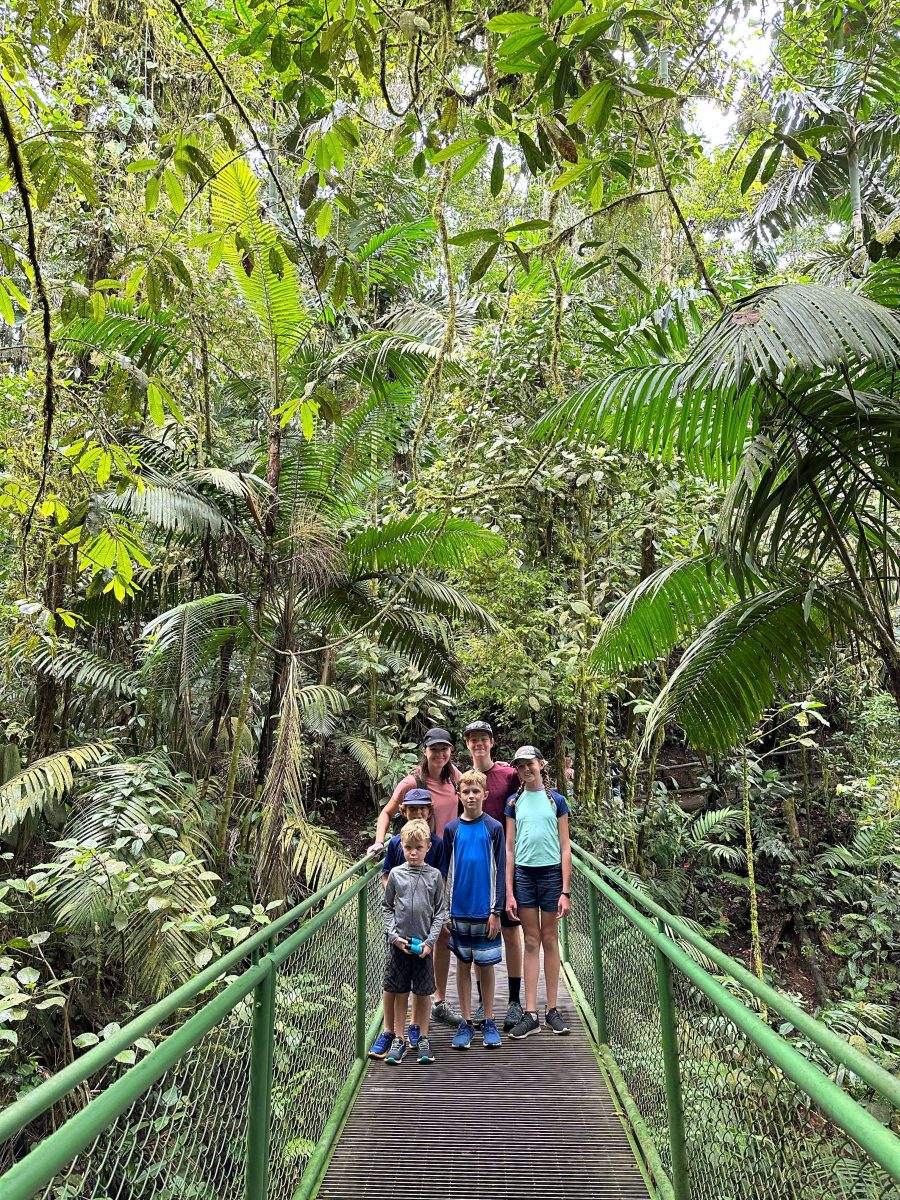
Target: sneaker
[[478, 1016], [426, 1054], [464, 1035], [490, 1035], [397, 1052], [528, 1025], [555, 1021], [381, 1046], [441, 1011], [514, 1015], [413, 1033]]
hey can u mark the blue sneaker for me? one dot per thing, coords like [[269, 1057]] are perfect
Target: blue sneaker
[[463, 1037], [413, 1033], [381, 1045], [490, 1035], [397, 1052]]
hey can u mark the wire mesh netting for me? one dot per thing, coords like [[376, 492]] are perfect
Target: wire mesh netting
[[751, 1133], [186, 1137]]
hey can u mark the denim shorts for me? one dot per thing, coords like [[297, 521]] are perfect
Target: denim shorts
[[538, 887]]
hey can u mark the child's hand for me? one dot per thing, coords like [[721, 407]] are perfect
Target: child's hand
[[402, 944], [426, 950], [493, 926], [512, 909], [564, 907]]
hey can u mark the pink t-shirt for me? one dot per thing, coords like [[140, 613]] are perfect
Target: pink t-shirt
[[443, 797]]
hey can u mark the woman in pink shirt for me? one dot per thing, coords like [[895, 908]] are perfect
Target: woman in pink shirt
[[439, 777]]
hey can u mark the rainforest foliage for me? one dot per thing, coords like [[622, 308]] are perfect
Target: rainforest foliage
[[367, 368]]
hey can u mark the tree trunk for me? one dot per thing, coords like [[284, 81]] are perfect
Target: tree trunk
[[46, 687]]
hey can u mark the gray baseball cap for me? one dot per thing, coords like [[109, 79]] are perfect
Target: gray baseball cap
[[527, 754], [478, 727]]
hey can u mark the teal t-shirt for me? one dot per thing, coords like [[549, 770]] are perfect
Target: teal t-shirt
[[537, 833]]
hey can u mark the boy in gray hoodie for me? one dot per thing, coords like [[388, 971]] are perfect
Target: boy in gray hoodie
[[414, 912]]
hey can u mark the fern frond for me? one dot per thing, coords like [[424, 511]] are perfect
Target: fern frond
[[420, 539], [148, 338], [65, 660]]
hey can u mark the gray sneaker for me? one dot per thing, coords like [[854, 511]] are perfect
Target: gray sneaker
[[441, 1011], [514, 1015], [397, 1052], [478, 1016], [555, 1021], [528, 1025], [424, 1052]]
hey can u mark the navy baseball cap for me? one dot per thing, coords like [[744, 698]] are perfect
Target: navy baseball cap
[[437, 737], [527, 754], [417, 796], [478, 727]]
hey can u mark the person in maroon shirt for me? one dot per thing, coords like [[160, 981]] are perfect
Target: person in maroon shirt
[[502, 782]]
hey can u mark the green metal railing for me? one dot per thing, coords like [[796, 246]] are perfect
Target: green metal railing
[[721, 1107], [244, 1099]]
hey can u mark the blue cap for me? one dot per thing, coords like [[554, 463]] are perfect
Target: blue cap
[[417, 796]]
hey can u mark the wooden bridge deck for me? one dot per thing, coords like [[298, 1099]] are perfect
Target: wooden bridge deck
[[533, 1118]]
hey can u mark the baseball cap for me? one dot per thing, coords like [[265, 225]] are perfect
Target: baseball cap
[[437, 737], [478, 727], [417, 796], [527, 754]]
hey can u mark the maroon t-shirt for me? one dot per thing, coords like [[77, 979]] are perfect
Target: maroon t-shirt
[[502, 781]]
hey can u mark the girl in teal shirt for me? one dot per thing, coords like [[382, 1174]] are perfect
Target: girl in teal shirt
[[538, 875]]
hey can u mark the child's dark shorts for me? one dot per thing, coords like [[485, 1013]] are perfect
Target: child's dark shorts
[[538, 887], [408, 973]]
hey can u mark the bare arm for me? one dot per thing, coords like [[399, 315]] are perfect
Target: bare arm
[[565, 846], [511, 907], [389, 811]]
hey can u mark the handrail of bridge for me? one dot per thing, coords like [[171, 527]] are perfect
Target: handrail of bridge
[[834, 1046], [221, 1067], [252, 1087], [720, 1102]]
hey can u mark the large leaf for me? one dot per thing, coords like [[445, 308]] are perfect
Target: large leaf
[[731, 674], [418, 540], [138, 333], [803, 327], [274, 296], [661, 612], [179, 643], [43, 784]]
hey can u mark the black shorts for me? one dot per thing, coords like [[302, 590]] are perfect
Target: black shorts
[[408, 973], [506, 921]]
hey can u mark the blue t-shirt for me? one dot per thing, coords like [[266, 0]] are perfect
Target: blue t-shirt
[[536, 815], [393, 855], [476, 867]]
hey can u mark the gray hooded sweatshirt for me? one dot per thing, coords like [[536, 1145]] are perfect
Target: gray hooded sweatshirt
[[414, 905]]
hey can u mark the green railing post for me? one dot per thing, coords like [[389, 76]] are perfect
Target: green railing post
[[262, 1046], [674, 1103], [597, 961], [362, 945]]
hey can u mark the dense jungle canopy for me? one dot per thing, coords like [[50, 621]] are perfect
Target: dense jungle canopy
[[369, 368]]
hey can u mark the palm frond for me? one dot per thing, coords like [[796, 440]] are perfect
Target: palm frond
[[67, 661], [430, 595], [803, 327], [658, 614], [177, 644], [263, 275], [318, 705], [43, 784], [174, 507], [392, 257], [146, 337], [420, 539], [731, 673]]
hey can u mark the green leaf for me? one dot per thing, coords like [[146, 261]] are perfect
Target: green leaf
[[752, 168], [418, 165], [470, 162], [654, 89], [772, 162], [497, 171], [474, 235], [140, 165], [484, 262], [512, 22], [363, 53], [151, 193], [323, 221], [155, 405], [532, 155], [534, 223], [280, 52], [174, 191], [454, 149], [6, 308], [585, 100]]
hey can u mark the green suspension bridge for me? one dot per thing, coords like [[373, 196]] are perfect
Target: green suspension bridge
[[674, 1083]]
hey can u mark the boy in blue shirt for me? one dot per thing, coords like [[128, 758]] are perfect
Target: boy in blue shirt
[[475, 850]]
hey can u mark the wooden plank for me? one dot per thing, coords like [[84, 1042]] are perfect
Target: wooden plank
[[533, 1117]]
